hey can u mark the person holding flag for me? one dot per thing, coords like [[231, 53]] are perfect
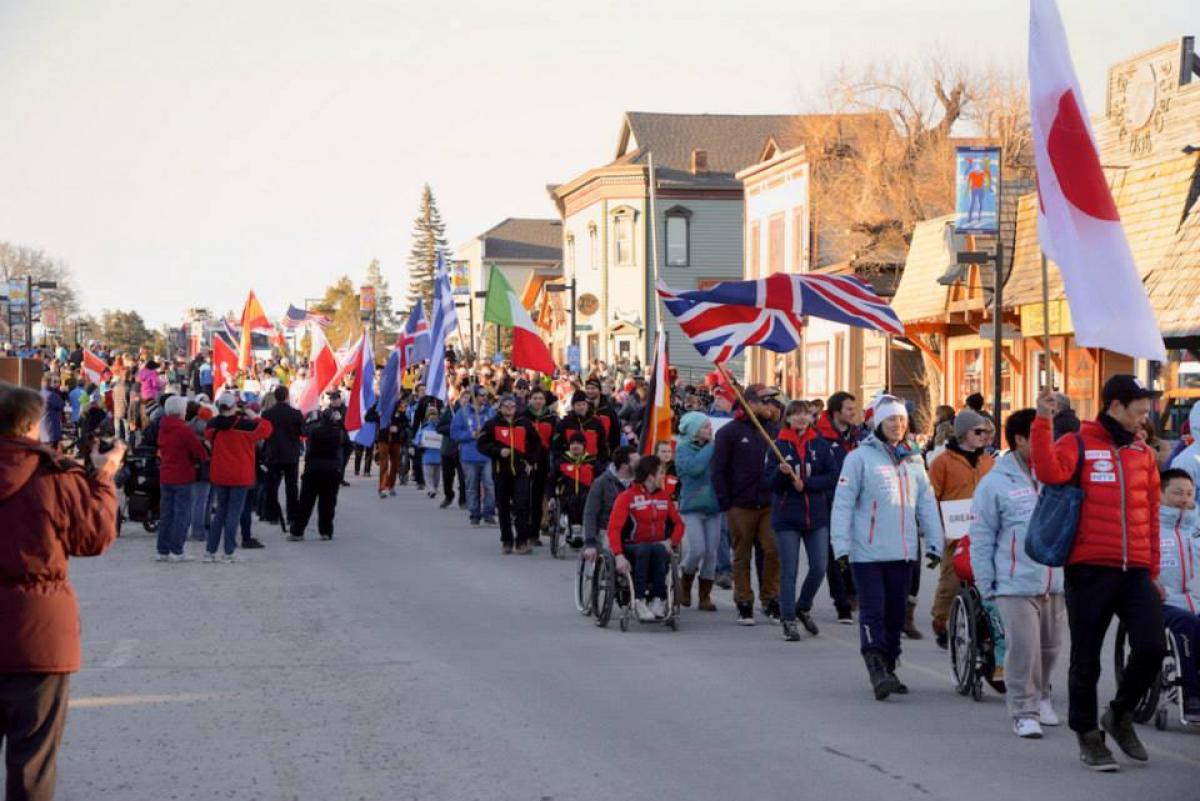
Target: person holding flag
[[515, 448]]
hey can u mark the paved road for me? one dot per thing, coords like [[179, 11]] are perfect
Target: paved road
[[410, 659]]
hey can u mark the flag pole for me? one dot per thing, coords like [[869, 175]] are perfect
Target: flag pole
[[1047, 361], [753, 418], [654, 242]]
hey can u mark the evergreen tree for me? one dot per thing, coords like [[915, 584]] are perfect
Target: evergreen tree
[[429, 234], [385, 313]]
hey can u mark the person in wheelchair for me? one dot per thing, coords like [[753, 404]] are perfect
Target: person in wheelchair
[[575, 473], [1028, 595], [1179, 556], [642, 531]]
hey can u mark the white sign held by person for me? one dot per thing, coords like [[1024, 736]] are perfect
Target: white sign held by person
[[956, 518]]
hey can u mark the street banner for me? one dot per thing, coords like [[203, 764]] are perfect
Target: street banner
[[366, 299], [460, 277], [977, 191], [1078, 224]]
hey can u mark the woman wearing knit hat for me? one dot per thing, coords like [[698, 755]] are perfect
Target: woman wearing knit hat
[[698, 505], [882, 494]]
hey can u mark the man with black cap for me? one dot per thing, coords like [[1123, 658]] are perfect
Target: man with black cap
[[605, 413], [1114, 560], [515, 448], [337, 408], [581, 420]]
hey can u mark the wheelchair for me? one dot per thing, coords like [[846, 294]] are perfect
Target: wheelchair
[[585, 584], [1166, 692], [972, 644], [615, 589], [560, 528]]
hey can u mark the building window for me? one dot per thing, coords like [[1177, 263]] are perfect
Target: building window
[[571, 254], [755, 250], [623, 243], [678, 233], [816, 369], [968, 369], [593, 247], [775, 244]]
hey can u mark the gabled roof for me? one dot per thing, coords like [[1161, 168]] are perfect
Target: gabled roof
[[730, 141], [1174, 285], [523, 239]]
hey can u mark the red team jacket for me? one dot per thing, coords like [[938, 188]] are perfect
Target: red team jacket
[[639, 516]]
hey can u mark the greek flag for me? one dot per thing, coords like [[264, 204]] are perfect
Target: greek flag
[[445, 320]]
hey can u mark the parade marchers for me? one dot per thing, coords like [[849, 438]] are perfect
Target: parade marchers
[[860, 499]]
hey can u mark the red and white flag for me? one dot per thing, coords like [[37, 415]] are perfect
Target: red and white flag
[[322, 367], [1078, 224], [225, 364], [94, 368]]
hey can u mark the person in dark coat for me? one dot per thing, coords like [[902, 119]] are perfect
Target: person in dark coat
[[513, 445], [323, 465], [282, 456], [52, 510]]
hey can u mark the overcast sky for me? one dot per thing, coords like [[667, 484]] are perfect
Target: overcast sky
[[178, 153]]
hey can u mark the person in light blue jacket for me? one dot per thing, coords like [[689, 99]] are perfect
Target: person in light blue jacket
[[882, 494], [1188, 459], [1028, 595], [1179, 557], [698, 506], [465, 429]]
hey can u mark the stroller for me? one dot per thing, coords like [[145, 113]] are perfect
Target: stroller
[[142, 494]]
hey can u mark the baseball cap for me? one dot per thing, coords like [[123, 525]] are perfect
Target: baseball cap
[[226, 400], [1126, 388]]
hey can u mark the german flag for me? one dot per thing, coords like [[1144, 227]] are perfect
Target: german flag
[[656, 419]]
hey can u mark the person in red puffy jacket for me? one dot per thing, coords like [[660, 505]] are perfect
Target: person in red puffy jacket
[[51, 510], [643, 528], [179, 454], [233, 434], [1113, 564]]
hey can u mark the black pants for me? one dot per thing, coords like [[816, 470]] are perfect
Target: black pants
[[418, 469], [649, 562], [512, 505], [841, 584], [290, 474], [537, 499], [361, 451], [451, 468], [1094, 594], [882, 603], [33, 712], [319, 487]]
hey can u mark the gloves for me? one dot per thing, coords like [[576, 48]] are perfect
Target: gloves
[[932, 560], [844, 562], [622, 564]]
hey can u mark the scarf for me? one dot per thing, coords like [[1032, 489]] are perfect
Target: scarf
[[1120, 436]]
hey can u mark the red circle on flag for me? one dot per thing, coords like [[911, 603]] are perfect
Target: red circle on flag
[[1076, 164]]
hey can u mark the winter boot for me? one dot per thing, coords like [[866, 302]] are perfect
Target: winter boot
[[685, 589], [705, 604], [910, 628], [899, 687], [877, 672]]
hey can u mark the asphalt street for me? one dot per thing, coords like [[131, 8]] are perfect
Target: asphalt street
[[410, 659]]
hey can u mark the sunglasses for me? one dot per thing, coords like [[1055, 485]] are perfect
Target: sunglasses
[[980, 431]]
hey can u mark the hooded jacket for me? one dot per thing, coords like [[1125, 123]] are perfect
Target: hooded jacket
[[811, 456], [233, 439], [1118, 520], [51, 510], [1002, 507], [881, 496], [599, 506], [467, 421], [1188, 459], [179, 452], [1179, 555], [693, 464]]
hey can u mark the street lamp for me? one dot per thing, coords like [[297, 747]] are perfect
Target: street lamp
[[566, 288], [481, 294], [470, 323]]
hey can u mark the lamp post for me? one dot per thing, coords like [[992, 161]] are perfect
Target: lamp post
[[566, 288], [470, 323], [482, 294]]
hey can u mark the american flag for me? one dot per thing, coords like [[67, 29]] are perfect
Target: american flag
[[769, 312], [294, 318]]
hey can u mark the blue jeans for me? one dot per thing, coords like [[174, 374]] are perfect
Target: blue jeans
[[1186, 628], [725, 548], [480, 474], [228, 503], [882, 604], [247, 509], [201, 508], [816, 549], [174, 517], [701, 538]]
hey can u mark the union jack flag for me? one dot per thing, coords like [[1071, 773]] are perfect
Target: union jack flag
[[769, 312], [413, 345]]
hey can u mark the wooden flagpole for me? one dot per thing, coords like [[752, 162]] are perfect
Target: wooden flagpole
[[753, 418], [1048, 359]]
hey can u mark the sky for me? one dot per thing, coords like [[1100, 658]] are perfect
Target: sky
[[177, 154]]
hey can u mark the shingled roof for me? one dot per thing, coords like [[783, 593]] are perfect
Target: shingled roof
[[731, 142], [1174, 285], [524, 239]]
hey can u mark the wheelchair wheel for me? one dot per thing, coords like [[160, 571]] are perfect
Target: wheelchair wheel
[[606, 588], [559, 527], [1147, 705], [963, 645], [674, 592], [585, 585]]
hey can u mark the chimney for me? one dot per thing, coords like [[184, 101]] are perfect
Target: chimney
[[699, 161]]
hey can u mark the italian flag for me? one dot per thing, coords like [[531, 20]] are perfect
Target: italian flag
[[503, 307]]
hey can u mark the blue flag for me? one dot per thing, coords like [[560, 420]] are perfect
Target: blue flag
[[445, 321]]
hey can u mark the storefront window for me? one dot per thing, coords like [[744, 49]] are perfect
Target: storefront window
[[968, 370], [816, 369]]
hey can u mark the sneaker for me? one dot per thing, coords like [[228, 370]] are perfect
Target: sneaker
[[229, 558], [1027, 728], [658, 608], [250, 543], [523, 549], [162, 557], [745, 614], [326, 537], [490, 521], [295, 538], [845, 618], [445, 504], [432, 493], [791, 632], [724, 581], [209, 558], [941, 636], [771, 610], [383, 493], [392, 492], [1046, 714], [809, 624], [505, 549], [1094, 754], [1121, 730], [345, 483], [642, 612], [475, 523], [181, 557]]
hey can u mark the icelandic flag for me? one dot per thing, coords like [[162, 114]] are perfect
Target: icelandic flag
[[445, 320], [1078, 224], [362, 393], [725, 319], [414, 344]]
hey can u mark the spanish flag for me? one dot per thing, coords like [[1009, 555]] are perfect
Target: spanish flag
[[253, 317], [656, 422]]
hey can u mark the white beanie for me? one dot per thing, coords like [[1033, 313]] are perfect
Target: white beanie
[[176, 406], [886, 406]]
